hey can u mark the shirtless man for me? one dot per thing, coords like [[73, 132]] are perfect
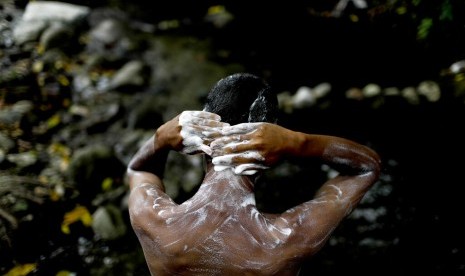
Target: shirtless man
[[219, 231]]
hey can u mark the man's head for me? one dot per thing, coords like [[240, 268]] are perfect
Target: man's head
[[242, 98]]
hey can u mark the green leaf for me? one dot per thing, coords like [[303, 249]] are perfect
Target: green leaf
[[446, 11], [21, 269], [424, 28]]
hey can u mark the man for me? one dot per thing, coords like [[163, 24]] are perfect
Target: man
[[219, 231]]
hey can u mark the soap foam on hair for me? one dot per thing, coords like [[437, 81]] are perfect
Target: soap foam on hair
[[194, 140]]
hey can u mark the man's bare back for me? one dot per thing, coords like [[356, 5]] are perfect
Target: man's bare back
[[219, 231]]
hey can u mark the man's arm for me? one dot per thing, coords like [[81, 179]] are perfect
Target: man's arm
[[315, 220], [357, 164], [190, 133], [275, 143], [145, 173], [148, 164], [311, 222]]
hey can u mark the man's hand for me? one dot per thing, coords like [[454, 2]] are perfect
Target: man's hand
[[198, 129], [249, 147], [245, 148]]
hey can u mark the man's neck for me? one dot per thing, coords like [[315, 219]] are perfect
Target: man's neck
[[227, 180]]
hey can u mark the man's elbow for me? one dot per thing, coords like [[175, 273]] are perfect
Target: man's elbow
[[376, 164], [373, 167], [132, 165]]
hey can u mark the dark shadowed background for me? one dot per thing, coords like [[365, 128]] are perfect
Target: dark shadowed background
[[79, 94]]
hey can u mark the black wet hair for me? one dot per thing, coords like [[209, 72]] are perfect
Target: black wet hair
[[243, 98]]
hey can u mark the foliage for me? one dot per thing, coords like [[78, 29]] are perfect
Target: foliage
[[21, 270]]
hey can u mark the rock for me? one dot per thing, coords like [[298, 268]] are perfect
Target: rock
[[16, 73], [6, 144], [391, 91], [430, 90], [285, 101], [100, 117], [321, 90], [111, 39], [130, 75], [90, 165], [108, 223], [457, 67], [410, 94], [107, 33], [179, 66], [56, 35], [218, 16], [369, 214], [13, 114], [28, 31], [371, 90], [24, 159], [54, 11], [38, 15], [144, 113], [304, 97], [129, 143], [355, 94]]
